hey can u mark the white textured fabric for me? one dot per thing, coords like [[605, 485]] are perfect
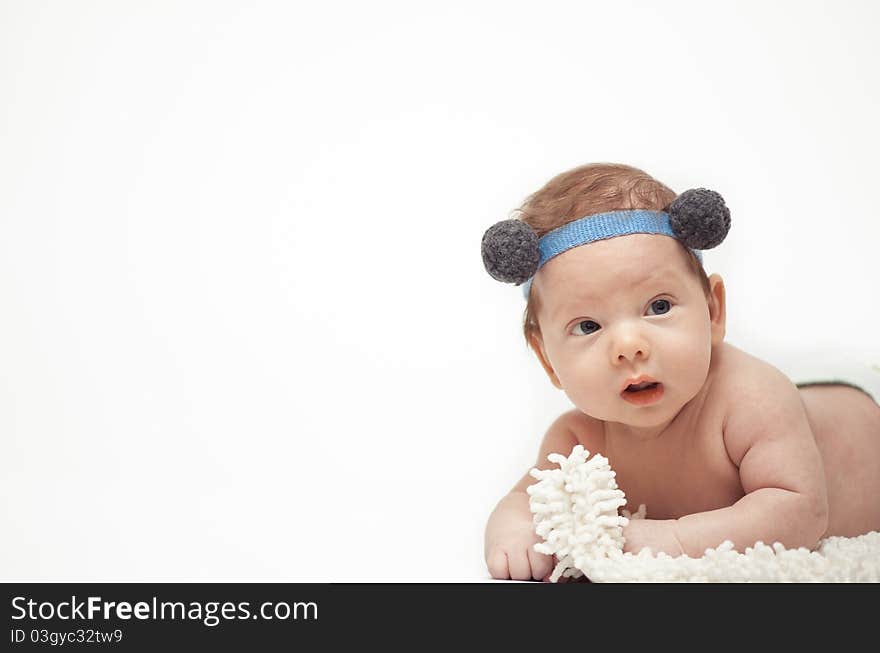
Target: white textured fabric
[[575, 510]]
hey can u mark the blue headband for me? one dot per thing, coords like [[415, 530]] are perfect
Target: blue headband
[[513, 253], [601, 226]]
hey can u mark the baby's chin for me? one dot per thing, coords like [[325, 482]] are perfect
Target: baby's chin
[[638, 416]]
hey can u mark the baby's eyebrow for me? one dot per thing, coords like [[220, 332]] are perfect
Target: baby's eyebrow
[[574, 306], [662, 274], [653, 276]]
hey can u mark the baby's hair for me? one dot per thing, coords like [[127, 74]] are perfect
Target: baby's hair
[[587, 190]]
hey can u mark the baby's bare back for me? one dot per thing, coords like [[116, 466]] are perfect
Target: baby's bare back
[[846, 425], [688, 470]]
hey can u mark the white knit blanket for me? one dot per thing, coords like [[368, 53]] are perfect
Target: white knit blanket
[[575, 510]]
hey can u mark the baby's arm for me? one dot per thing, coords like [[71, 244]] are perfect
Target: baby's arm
[[510, 533], [768, 437]]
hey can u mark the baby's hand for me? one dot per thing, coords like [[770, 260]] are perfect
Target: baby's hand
[[510, 551], [659, 534]]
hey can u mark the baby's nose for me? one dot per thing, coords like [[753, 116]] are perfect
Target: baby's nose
[[631, 356], [630, 346]]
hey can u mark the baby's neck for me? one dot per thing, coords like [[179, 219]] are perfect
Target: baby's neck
[[617, 432]]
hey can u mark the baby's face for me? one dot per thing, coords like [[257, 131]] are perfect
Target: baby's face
[[616, 309]]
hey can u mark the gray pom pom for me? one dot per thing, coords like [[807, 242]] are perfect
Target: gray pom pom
[[699, 218], [510, 251]]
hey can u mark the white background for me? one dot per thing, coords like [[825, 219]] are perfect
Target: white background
[[246, 333]]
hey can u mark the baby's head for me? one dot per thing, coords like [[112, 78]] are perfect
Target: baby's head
[[604, 313]]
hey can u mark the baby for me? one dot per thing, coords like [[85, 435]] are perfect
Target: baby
[[718, 444]]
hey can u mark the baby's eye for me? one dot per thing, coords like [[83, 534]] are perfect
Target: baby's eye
[[584, 328], [660, 306]]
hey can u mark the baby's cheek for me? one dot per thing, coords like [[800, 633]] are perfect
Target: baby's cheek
[[588, 399], [693, 357]]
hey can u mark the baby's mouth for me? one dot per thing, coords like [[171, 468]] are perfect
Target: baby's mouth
[[637, 387], [643, 393]]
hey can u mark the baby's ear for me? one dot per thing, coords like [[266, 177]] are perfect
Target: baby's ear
[[537, 346], [717, 308]]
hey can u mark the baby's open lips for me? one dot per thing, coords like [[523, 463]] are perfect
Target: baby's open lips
[[641, 386], [639, 383], [642, 392]]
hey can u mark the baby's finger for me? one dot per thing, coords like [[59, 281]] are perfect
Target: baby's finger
[[541, 564], [497, 563], [546, 578], [518, 565]]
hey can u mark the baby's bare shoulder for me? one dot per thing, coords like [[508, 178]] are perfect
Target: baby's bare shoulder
[[742, 378], [758, 398]]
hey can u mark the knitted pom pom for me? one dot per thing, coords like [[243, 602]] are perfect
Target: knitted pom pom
[[699, 218], [510, 251]]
